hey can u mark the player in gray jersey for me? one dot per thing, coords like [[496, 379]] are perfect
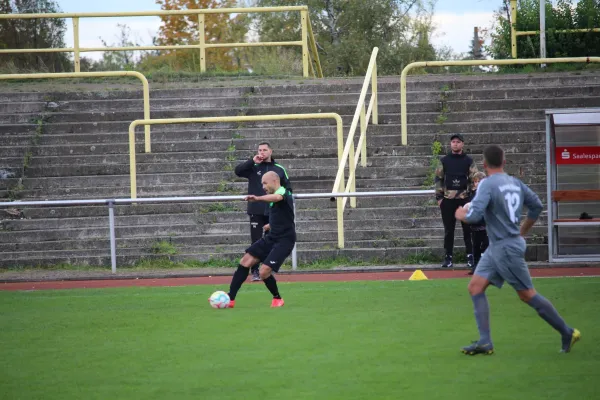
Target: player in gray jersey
[[499, 201]]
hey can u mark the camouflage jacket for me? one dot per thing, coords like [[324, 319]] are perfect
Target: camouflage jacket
[[454, 177]]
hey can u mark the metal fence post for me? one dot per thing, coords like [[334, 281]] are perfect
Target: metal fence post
[[76, 61], [513, 27], [294, 252], [363, 135], [543, 30], [304, 19], [202, 36], [113, 245], [374, 93]]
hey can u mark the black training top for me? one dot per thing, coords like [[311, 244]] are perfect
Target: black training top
[[281, 216], [254, 173]]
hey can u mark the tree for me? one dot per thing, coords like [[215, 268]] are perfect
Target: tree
[[476, 52], [347, 30], [564, 15], [32, 34], [183, 29]]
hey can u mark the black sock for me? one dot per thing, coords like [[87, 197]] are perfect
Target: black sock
[[271, 284], [239, 276]]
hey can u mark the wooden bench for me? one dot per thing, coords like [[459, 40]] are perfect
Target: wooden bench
[[576, 195]]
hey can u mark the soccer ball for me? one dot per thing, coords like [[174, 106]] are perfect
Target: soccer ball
[[219, 299]]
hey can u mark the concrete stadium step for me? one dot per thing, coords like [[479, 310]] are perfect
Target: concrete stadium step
[[84, 154], [308, 86], [226, 223], [388, 158], [395, 254], [100, 248], [178, 144], [121, 114], [84, 237], [235, 145], [217, 218], [85, 126], [250, 99], [158, 135], [180, 112], [199, 189], [388, 116], [400, 202], [163, 177], [289, 148], [208, 243], [413, 107]]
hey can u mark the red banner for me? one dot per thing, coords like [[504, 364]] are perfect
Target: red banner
[[578, 155]]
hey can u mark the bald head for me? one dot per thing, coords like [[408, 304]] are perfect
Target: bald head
[[270, 182]]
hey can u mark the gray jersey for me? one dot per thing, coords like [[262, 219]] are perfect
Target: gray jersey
[[499, 201]]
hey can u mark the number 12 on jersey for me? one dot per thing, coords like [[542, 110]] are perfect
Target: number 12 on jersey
[[512, 201]]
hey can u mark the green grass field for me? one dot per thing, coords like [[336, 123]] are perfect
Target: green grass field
[[359, 340]]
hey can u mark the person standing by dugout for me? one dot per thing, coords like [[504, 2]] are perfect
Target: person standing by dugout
[[453, 184], [254, 169]]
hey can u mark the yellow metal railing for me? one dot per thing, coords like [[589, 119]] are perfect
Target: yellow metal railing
[[307, 41], [251, 118], [403, 112], [514, 33], [141, 77], [361, 149]]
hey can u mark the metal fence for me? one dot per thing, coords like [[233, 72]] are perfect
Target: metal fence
[[249, 118], [351, 156], [514, 33], [307, 40], [114, 74], [403, 76], [111, 203]]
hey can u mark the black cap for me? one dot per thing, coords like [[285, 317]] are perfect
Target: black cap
[[457, 136]]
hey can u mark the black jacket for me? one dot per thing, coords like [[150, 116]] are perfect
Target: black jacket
[[254, 173]]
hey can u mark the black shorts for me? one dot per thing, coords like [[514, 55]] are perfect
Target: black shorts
[[271, 252]]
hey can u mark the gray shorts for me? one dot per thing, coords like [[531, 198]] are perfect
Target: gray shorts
[[505, 261]]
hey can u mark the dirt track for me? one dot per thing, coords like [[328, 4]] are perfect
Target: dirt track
[[317, 277]]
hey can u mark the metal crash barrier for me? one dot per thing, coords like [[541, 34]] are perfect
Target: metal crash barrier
[[66, 75], [403, 112], [514, 33], [111, 203], [307, 41], [252, 118], [351, 156]]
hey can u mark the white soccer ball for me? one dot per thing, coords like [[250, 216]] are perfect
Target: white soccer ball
[[219, 299]]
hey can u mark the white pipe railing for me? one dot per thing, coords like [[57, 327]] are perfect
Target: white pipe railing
[[111, 203]]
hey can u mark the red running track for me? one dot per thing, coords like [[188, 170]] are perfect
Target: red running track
[[304, 277]]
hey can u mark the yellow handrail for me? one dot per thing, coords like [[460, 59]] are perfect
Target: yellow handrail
[[313, 46], [202, 45], [361, 148], [63, 75], [250, 118], [403, 112], [514, 32]]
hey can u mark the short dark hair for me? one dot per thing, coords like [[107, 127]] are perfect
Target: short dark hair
[[265, 144], [493, 156]]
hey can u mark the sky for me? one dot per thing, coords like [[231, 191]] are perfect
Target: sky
[[455, 20]]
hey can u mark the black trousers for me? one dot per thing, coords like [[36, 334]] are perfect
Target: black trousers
[[448, 208], [257, 222], [480, 243]]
